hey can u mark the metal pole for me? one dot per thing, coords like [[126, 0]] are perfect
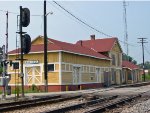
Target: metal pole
[[45, 48], [143, 59], [22, 75], [125, 28], [4, 71], [7, 35]]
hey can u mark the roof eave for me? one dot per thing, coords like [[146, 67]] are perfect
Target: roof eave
[[68, 52]]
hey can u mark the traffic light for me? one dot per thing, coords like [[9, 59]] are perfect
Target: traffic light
[[4, 63], [26, 44], [25, 17]]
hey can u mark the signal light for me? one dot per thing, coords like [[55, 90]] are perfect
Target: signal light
[[25, 17], [26, 43]]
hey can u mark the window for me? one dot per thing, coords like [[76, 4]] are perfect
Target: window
[[113, 74], [129, 76], [118, 59], [50, 67], [113, 60], [123, 75], [15, 65]]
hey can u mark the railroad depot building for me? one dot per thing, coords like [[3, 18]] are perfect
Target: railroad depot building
[[111, 48], [131, 72], [70, 66], [87, 64]]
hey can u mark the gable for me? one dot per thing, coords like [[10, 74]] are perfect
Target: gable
[[116, 47], [39, 40]]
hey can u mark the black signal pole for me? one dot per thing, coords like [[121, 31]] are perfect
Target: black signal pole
[[45, 48], [142, 41], [7, 35], [21, 60]]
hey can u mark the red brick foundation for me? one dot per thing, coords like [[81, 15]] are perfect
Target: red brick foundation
[[58, 88]]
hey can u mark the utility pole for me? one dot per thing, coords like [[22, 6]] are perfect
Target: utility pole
[[142, 41], [45, 48], [21, 60]]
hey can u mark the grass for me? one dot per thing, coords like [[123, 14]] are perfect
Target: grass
[[0, 92], [33, 89], [147, 77]]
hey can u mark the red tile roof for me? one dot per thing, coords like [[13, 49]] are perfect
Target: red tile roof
[[129, 65], [99, 45], [63, 46]]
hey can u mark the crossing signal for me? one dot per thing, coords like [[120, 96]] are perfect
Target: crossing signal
[[25, 17], [26, 44]]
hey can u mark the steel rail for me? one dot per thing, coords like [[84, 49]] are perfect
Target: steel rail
[[32, 103], [81, 105], [111, 105], [37, 99]]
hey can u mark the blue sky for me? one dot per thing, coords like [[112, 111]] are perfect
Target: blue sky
[[106, 16]]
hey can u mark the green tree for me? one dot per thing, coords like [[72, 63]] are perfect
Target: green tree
[[1, 70], [134, 61], [128, 58], [147, 65]]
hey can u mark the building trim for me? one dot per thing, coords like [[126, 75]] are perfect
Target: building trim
[[68, 52], [81, 83], [129, 68]]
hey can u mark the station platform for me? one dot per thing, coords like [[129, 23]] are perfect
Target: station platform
[[42, 94]]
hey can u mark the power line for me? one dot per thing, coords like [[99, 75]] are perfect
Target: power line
[[83, 26], [16, 13], [147, 50], [78, 22], [8, 12], [81, 20], [89, 25], [127, 43]]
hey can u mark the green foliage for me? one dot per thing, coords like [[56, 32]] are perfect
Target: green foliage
[[0, 92], [147, 65], [34, 87], [1, 70], [134, 61], [128, 58], [147, 77]]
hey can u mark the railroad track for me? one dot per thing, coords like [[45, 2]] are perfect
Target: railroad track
[[111, 105], [35, 102], [133, 85], [81, 105], [58, 98], [96, 106]]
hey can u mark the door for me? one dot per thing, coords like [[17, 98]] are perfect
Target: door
[[107, 79], [33, 75], [114, 76], [98, 75], [76, 75]]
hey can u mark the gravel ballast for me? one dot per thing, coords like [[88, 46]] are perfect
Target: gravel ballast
[[143, 107]]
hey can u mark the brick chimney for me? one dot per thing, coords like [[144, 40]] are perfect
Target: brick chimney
[[80, 42], [92, 37]]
